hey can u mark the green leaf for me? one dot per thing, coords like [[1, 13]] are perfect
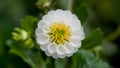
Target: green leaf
[[32, 57], [94, 39], [29, 24], [24, 56], [62, 3], [86, 59], [82, 12], [59, 63]]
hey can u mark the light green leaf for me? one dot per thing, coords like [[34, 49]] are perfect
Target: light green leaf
[[29, 24], [82, 12], [86, 59], [94, 39]]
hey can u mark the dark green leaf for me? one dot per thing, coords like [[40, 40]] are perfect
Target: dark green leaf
[[29, 24], [82, 12], [86, 59], [95, 38]]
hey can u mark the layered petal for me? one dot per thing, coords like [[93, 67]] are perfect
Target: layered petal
[[42, 38], [52, 48], [61, 50], [50, 33]]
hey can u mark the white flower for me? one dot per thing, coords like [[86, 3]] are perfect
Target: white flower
[[59, 33]]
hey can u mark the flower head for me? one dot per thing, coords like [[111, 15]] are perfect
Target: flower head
[[59, 33]]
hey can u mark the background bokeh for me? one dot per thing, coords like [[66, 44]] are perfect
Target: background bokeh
[[101, 13]]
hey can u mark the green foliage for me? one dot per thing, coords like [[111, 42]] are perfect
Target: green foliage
[[29, 43], [23, 54], [24, 47], [82, 12], [104, 14], [94, 39], [29, 23], [30, 56], [59, 63], [42, 4], [86, 59]]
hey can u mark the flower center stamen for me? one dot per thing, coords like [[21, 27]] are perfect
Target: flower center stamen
[[59, 33]]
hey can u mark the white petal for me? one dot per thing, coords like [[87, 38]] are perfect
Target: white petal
[[38, 31], [67, 20], [75, 50], [51, 12], [47, 53], [68, 55], [61, 56], [61, 50], [76, 20], [82, 33], [55, 55], [75, 31], [46, 29], [42, 38], [69, 48], [52, 48], [78, 32], [43, 47], [75, 42], [41, 24], [49, 19], [59, 16]]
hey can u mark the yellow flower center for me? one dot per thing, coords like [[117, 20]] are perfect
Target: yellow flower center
[[59, 33]]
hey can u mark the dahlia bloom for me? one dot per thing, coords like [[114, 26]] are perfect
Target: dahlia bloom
[[59, 33]]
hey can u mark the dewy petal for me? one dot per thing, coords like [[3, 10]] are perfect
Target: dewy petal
[[42, 38], [52, 48], [61, 50]]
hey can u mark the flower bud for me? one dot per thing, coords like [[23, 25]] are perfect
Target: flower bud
[[19, 34], [29, 43]]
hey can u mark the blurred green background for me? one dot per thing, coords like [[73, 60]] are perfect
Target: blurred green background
[[101, 13]]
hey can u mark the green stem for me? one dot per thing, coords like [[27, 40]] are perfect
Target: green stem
[[114, 35], [70, 4], [97, 51]]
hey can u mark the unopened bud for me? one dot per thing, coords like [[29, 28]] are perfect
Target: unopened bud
[[19, 34]]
